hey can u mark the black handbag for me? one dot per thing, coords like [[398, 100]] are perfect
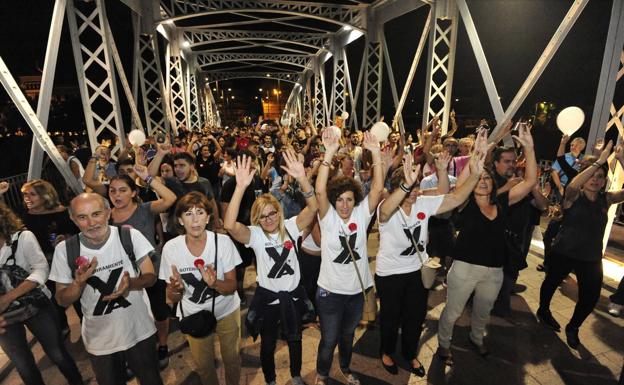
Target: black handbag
[[203, 323], [11, 276]]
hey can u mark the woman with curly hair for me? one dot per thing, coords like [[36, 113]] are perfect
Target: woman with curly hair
[[21, 248], [345, 277]]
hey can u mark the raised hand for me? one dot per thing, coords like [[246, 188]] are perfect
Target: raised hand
[[599, 146], [123, 289], [243, 172], [331, 140], [294, 167], [4, 187], [619, 154], [139, 155], [141, 171], [442, 160], [604, 155], [370, 142], [565, 138], [164, 148], [409, 170], [524, 137]]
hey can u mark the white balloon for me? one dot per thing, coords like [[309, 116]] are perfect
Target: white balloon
[[285, 121], [335, 130], [381, 131], [264, 127], [136, 137], [570, 119], [344, 115]]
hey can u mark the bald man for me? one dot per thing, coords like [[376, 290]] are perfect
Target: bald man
[[117, 323]]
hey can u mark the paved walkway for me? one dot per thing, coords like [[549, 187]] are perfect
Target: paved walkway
[[522, 351]]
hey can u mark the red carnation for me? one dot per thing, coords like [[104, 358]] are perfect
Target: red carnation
[[421, 215], [352, 227], [82, 260], [288, 244], [199, 263]]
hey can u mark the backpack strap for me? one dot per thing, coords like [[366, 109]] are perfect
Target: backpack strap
[[126, 242], [13, 249], [216, 264], [72, 249]]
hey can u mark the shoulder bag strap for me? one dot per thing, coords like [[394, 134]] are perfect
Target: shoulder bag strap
[[357, 271], [214, 291], [411, 238], [293, 242], [13, 249]]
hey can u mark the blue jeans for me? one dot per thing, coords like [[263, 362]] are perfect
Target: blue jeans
[[339, 315], [142, 358], [45, 327]]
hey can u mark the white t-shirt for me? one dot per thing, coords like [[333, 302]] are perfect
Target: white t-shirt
[[197, 294], [109, 326], [28, 256], [278, 267], [337, 273], [396, 254]]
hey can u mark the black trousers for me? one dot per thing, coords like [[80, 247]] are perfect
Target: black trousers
[[403, 302], [589, 277], [269, 335]]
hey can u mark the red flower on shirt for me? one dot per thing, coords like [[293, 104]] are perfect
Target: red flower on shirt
[[82, 260], [421, 215], [288, 245], [352, 227], [199, 263]]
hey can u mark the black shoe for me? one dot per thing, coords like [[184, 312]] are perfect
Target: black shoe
[[163, 357], [481, 349], [419, 371], [518, 288], [445, 356], [572, 337], [392, 369], [546, 317]]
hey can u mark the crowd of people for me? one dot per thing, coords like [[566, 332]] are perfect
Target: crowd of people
[[169, 228]]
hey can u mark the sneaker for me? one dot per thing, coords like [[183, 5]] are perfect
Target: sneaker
[[320, 380], [350, 377], [615, 309], [297, 380], [163, 357]]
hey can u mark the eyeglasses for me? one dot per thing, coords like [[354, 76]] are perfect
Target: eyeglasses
[[270, 216]]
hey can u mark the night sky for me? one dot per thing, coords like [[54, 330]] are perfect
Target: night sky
[[513, 34]]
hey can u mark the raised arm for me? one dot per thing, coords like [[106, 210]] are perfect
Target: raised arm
[[331, 142], [574, 186], [374, 195], [162, 149], [244, 176], [90, 180], [519, 191], [294, 168], [166, 197], [461, 192], [617, 196], [441, 163], [392, 202]]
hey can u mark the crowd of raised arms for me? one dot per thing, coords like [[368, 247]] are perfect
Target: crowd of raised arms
[[169, 229]]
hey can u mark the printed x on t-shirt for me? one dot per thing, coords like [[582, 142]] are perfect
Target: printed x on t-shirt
[[413, 236], [107, 288], [201, 291], [344, 257], [281, 266]]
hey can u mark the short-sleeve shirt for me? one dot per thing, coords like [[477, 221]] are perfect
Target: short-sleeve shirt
[[109, 326], [572, 161], [397, 254], [277, 264], [481, 241], [197, 295], [337, 273]]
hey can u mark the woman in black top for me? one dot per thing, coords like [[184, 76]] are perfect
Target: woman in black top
[[479, 252], [578, 244]]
